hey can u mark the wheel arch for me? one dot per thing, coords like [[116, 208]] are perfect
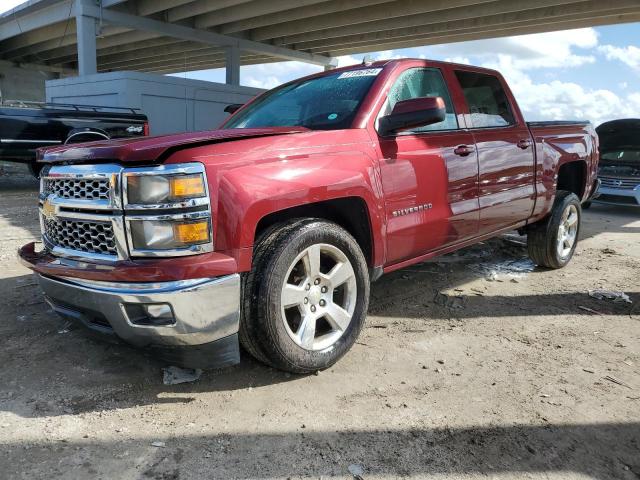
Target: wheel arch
[[350, 213], [572, 177]]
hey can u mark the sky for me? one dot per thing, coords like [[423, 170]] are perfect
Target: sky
[[589, 73]]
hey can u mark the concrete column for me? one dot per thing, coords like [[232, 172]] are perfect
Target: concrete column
[[86, 33], [233, 66]]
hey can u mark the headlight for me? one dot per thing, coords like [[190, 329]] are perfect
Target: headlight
[[164, 189], [169, 234]]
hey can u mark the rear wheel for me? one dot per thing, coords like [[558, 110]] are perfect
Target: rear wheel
[[552, 241], [306, 298]]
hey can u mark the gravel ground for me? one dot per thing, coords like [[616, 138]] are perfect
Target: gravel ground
[[473, 366]]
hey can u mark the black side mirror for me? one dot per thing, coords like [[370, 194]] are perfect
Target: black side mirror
[[413, 113], [233, 108]]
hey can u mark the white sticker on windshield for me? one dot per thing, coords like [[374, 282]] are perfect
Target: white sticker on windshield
[[365, 72]]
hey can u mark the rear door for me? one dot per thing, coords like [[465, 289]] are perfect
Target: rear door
[[430, 185], [505, 151]]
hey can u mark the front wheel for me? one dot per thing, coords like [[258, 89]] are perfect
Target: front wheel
[[552, 241], [306, 297]]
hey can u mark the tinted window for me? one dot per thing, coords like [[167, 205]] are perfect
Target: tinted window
[[329, 102], [487, 100], [422, 82]]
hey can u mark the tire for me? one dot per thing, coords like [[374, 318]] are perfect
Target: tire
[[586, 205], [328, 304], [35, 169], [544, 237]]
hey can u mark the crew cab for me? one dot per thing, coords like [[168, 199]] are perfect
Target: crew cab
[[268, 231], [27, 126]]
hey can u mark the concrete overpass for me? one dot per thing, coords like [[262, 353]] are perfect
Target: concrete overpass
[[163, 36]]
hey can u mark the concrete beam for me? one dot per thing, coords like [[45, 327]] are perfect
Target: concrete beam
[[178, 56], [187, 33], [585, 11], [324, 8], [201, 7], [86, 38], [431, 18], [19, 24], [232, 66], [207, 65], [399, 8], [249, 10], [180, 63], [480, 34]]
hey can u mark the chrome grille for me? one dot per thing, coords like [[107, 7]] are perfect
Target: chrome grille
[[82, 236], [77, 188], [621, 183]]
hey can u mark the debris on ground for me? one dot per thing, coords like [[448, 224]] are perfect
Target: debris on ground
[[617, 297], [590, 310], [66, 327], [357, 471], [175, 375], [589, 370], [158, 444], [616, 381]]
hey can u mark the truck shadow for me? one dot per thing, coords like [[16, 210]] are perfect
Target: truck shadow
[[600, 451]]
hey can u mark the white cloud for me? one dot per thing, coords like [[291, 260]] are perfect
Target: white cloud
[[557, 100], [540, 50], [629, 55], [7, 5]]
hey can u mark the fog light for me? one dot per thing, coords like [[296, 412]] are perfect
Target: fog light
[[150, 314]]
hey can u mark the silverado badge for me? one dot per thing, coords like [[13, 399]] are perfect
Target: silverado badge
[[48, 209]]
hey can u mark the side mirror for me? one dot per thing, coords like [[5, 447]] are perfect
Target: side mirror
[[233, 108], [413, 113]]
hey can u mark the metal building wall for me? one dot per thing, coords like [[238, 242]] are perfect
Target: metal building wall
[[172, 104]]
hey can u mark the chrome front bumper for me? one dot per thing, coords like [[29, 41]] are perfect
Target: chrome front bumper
[[203, 312]]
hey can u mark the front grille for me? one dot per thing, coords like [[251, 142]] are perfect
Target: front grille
[[621, 183], [83, 236], [77, 188]]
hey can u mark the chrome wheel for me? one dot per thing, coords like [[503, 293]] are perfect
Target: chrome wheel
[[567, 231], [318, 297]]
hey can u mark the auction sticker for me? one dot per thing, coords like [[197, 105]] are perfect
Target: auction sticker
[[364, 72]]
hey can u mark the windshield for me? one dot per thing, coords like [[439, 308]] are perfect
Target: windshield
[[329, 102]]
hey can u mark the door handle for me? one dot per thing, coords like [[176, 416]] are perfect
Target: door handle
[[524, 144], [463, 150]]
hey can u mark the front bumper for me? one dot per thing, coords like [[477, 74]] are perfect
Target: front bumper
[[619, 196], [203, 323]]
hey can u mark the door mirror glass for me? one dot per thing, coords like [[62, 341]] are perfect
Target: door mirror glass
[[413, 113]]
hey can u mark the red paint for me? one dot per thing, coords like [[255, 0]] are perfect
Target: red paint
[[471, 183]]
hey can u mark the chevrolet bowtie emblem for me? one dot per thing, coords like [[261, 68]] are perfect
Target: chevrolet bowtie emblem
[[48, 209]]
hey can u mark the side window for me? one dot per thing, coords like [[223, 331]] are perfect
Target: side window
[[422, 82], [487, 100]]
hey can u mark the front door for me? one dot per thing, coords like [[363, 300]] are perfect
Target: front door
[[429, 175]]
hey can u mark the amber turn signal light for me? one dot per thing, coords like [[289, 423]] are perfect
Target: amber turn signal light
[[190, 233]]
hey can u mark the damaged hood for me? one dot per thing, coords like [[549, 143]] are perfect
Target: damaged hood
[[155, 149], [620, 136]]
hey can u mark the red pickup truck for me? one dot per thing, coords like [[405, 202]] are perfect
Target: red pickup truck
[[268, 231]]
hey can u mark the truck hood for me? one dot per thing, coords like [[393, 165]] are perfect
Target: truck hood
[[617, 136], [151, 149]]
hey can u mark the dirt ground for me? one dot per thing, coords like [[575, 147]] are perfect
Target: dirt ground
[[473, 366]]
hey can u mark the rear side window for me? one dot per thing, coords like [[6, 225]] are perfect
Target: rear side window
[[417, 83], [487, 100]]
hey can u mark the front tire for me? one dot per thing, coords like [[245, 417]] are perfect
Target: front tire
[[306, 298], [552, 241]]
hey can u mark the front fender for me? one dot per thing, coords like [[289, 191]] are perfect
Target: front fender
[[249, 193]]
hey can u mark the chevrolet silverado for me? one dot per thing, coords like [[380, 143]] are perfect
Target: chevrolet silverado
[[267, 232]]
